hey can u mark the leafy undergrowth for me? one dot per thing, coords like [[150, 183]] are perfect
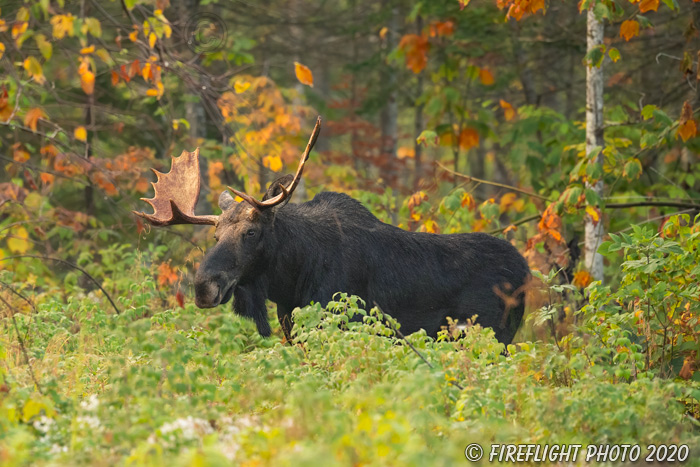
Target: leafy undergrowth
[[157, 385]]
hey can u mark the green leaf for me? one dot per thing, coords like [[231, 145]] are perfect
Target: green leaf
[[661, 117], [672, 4], [593, 198], [595, 56], [601, 11], [633, 169], [648, 111], [44, 46], [644, 21], [94, 26], [429, 137]]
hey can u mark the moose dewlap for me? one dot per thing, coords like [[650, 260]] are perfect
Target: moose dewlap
[[293, 254]]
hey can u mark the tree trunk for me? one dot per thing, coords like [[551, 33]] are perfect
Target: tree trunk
[[594, 138], [390, 114], [521, 61], [418, 122]]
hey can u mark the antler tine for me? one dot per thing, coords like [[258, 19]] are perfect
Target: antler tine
[[286, 191], [176, 194], [246, 197]]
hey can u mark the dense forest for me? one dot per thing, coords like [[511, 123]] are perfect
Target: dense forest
[[567, 128]]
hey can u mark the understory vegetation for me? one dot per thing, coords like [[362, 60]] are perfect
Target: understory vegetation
[[161, 383], [567, 128]]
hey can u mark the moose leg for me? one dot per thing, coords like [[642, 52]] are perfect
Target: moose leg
[[284, 315], [249, 301]]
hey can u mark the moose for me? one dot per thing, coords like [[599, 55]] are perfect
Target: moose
[[295, 254]]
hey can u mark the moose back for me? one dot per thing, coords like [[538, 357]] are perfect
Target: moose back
[[293, 254]]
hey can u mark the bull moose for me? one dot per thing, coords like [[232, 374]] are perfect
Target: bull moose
[[293, 254]]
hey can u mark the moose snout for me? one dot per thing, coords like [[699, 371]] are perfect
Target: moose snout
[[206, 294], [209, 289]]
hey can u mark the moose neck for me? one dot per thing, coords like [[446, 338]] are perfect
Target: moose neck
[[289, 253]]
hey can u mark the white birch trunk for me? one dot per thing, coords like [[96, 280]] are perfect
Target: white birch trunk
[[594, 138]]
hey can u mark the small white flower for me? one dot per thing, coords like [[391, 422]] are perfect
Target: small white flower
[[89, 421], [44, 424], [58, 449], [90, 403]]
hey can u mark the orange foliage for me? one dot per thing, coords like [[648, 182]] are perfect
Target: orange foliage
[[629, 29], [468, 138], [166, 275], [519, 8], [686, 125], [416, 49], [508, 111], [303, 74], [32, 117], [444, 28], [550, 225], [486, 77], [582, 279], [648, 5], [5, 108]]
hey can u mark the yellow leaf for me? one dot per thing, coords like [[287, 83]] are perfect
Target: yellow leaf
[[80, 133], [33, 67], [62, 25], [19, 28], [304, 75], [594, 213], [241, 86], [468, 201], [431, 226], [2, 49], [152, 39], [18, 242], [383, 31], [134, 35], [33, 116], [146, 71], [365, 423], [87, 50], [274, 163], [33, 201], [87, 81], [152, 92]]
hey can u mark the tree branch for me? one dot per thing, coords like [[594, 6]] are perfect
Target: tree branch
[[74, 266], [13, 311], [486, 182]]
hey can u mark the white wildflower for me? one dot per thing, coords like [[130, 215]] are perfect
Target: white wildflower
[[90, 403], [89, 421], [58, 449], [44, 424]]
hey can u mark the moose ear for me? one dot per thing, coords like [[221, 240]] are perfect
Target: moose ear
[[275, 187], [226, 201]]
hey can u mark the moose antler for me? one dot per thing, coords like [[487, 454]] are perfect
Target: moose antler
[[176, 194], [286, 191]]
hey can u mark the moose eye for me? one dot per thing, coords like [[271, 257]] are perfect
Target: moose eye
[[251, 233]]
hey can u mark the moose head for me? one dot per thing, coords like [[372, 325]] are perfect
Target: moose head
[[240, 229]]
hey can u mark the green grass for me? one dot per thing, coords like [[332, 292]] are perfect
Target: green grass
[[160, 385]]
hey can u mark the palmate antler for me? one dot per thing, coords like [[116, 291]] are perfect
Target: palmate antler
[[177, 192], [288, 190]]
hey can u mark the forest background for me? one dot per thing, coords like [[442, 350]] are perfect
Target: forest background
[[568, 128]]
